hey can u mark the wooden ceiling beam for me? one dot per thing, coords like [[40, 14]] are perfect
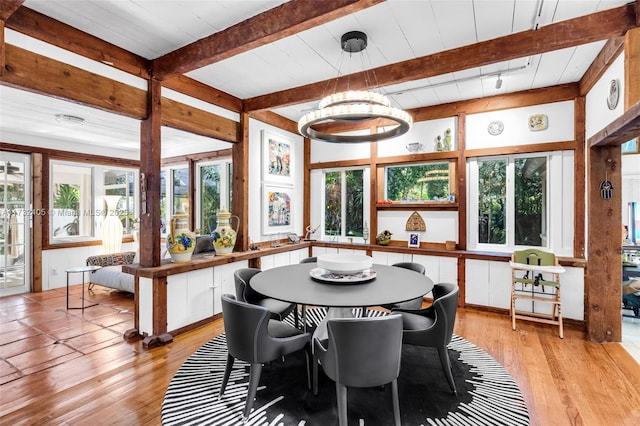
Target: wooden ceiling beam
[[185, 117], [570, 33], [272, 25], [620, 130], [41, 27], [36, 73], [608, 54], [197, 90], [8, 7]]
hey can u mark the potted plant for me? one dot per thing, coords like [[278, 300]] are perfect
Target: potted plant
[[384, 238]]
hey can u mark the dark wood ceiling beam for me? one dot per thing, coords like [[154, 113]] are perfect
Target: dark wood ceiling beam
[[185, 117], [276, 120], [36, 73], [8, 7], [41, 27], [272, 25], [620, 130], [570, 33], [195, 89], [601, 63]]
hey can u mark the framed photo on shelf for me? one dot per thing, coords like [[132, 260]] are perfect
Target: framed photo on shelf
[[276, 209], [414, 240], [277, 159]]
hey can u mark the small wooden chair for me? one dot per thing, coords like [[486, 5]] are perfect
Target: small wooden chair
[[532, 285]]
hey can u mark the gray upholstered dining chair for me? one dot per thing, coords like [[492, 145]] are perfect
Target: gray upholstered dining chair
[[255, 338], [413, 303], [311, 259], [433, 326], [279, 309], [360, 352]]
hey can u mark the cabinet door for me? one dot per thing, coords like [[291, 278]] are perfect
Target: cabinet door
[[189, 298], [224, 282]]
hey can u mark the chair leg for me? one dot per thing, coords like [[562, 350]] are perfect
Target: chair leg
[[443, 352], [307, 356], [396, 402], [295, 317], [227, 373], [254, 379], [315, 374], [341, 394]]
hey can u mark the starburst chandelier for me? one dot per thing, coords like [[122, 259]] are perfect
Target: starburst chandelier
[[355, 106]]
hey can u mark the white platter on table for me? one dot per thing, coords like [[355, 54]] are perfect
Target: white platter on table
[[325, 275], [345, 263]]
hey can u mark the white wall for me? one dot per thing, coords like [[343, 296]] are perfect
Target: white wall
[[598, 114], [516, 126], [256, 195]]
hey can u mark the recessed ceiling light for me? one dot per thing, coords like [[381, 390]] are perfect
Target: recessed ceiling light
[[69, 119]]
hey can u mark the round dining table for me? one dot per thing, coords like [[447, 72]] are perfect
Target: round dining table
[[294, 284]]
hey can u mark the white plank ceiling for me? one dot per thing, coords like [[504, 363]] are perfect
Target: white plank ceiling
[[397, 29]]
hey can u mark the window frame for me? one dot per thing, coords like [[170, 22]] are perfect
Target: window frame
[[366, 198], [96, 207], [225, 187], [558, 198]]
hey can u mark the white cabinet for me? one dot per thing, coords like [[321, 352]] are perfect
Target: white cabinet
[[190, 297], [224, 282], [282, 259], [488, 283], [439, 269]]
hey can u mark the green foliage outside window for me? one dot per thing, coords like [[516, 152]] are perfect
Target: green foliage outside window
[[418, 182], [210, 201], [345, 185], [492, 187], [529, 176]]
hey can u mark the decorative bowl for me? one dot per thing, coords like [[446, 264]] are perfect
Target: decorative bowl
[[345, 263]]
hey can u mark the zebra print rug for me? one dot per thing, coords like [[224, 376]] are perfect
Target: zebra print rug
[[487, 394]]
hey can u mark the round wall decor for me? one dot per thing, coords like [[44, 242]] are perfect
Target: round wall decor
[[495, 128], [614, 94]]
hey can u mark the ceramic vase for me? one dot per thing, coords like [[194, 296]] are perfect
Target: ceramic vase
[[180, 240], [224, 236]]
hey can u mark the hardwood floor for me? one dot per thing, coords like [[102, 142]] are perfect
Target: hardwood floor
[[74, 368]]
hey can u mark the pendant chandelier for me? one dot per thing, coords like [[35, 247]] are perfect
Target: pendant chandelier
[[355, 106]]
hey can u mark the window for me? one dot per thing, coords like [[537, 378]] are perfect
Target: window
[[77, 206], [509, 200], [180, 191], [71, 209], [344, 203], [214, 188], [121, 182], [418, 182]]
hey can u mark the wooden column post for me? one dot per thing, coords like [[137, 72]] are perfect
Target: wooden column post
[[632, 67], [240, 185], [604, 268], [150, 219]]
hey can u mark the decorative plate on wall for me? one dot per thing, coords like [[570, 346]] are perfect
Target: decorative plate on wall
[[538, 122], [614, 94], [495, 128]]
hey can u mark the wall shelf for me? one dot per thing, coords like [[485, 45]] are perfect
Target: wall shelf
[[417, 206]]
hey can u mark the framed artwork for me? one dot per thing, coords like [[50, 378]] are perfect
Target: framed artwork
[[277, 159], [276, 209], [414, 240], [538, 122]]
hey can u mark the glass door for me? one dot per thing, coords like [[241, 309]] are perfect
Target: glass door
[[15, 223]]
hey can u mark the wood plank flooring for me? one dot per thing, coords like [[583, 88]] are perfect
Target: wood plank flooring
[[74, 368]]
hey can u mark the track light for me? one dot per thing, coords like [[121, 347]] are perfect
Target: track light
[[499, 82]]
